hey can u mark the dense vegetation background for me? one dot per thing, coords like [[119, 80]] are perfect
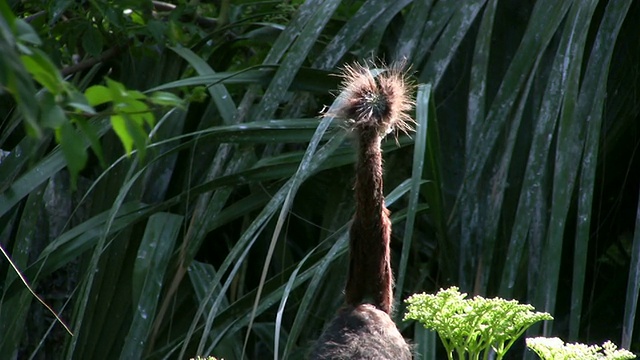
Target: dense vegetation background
[[167, 187]]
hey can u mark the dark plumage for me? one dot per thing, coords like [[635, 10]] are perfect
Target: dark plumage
[[363, 329], [363, 332]]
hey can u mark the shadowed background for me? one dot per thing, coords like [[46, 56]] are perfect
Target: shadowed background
[[521, 180]]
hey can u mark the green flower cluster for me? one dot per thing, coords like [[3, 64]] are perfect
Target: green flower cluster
[[556, 349], [472, 327]]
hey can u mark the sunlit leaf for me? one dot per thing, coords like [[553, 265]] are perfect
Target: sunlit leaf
[[98, 95], [119, 124], [166, 99]]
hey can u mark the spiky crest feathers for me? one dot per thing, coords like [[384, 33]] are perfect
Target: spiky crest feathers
[[376, 103]]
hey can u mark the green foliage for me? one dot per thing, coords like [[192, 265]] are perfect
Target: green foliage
[[472, 327], [64, 109], [202, 123], [556, 349]]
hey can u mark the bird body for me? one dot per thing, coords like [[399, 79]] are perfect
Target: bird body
[[363, 329]]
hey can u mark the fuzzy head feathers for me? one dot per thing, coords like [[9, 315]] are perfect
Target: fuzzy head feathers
[[376, 103]]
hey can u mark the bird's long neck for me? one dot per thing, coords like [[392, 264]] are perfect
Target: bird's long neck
[[370, 278]]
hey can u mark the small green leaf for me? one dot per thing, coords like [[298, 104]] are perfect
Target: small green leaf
[[119, 125], [92, 41], [78, 101], [135, 94], [43, 71], [137, 19], [25, 33], [53, 115], [73, 150], [118, 91], [136, 110], [98, 95], [138, 135], [94, 138], [130, 131], [166, 99]]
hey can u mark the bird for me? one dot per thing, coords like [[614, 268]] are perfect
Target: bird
[[373, 106]]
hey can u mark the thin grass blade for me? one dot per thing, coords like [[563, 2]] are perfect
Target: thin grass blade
[[423, 102], [633, 288]]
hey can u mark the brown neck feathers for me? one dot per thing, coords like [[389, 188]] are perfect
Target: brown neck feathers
[[370, 278]]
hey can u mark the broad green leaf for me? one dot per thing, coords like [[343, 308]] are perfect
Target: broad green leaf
[[150, 266], [537, 36], [119, 124], [135, 110], [98, 95], [43, 71], [117, 89]]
